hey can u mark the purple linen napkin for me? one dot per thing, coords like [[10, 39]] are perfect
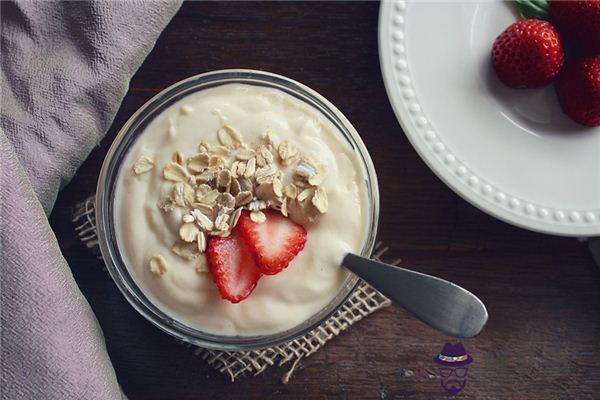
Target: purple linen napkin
[[65, 67]]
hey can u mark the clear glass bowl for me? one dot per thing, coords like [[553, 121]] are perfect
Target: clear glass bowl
[[105, 206]]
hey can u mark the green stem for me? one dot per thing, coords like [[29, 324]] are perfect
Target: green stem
[[537, 9]]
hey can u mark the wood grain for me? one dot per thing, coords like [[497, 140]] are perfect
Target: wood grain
[[542, 292]]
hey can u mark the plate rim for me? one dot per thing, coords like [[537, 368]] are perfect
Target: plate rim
[[464, 182]]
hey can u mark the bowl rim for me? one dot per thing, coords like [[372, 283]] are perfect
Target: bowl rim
[[110, 171]]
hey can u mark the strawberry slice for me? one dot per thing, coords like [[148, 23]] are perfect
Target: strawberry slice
[[274, 243], [232, 266]]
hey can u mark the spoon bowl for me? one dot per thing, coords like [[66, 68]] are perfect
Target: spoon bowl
[[442, 305]]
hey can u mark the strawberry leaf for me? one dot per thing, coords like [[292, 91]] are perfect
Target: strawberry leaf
[[537, 9]]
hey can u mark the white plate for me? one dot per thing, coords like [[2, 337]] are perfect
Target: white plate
[[512, 153]]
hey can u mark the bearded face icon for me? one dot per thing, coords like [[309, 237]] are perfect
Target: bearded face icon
[[453, 361], [453, 379]]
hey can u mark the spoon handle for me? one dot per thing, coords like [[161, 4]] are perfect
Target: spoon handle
[[439, 303]]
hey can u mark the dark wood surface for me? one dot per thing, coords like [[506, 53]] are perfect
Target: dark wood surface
[[543, 293]]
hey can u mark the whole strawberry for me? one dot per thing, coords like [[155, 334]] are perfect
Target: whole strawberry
[[528, 54], [579, 23], [578, 91]]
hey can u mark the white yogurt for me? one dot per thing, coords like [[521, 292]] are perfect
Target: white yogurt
[[281, 301]]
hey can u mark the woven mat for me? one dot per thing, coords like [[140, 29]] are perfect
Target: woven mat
[[362, 302]]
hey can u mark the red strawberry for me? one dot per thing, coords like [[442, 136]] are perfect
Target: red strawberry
[[232, 266], [275, 242], [528, 54], [579, 23], [578, 91]]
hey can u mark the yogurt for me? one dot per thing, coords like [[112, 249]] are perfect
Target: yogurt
[[185, 290]]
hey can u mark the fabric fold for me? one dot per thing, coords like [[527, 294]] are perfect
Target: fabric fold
[[64, 70]]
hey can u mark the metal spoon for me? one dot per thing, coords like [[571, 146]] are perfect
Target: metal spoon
[[439, 303]]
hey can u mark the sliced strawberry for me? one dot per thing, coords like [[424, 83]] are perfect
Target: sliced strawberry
[[232, 266], [275, 242]]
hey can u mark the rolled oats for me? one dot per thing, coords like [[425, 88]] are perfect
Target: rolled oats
[[201, 190], [257, 205], [185, 250], [234, 217], [207, 210], [178, 158], [224, 180], [287, 152], [258, 217], [205, 223], [166, 205], [220, 151], [300, 183], [228, 137], [177, 194], [265, 174], [188, 232], [234, 188], [283, 208], [305, 194], [245, 185], [319, 200], [198, 163], [206, 176], [305, 168], [215, 185], [219, 233], [235, 135], [203, 147], [158, 265], [243, 198], [143, 164], [216, 161], [225, 210], [226, 200], [260, 161], [241, 169], [175, 172], [210, 197], [291, 191], [188, 218], [266, 154], [245, 154], [277, 187], [250, 168], [201, 241], [221, 223], [188, 192], [233, 169]]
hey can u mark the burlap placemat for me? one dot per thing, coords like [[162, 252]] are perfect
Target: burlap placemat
[[362, 302]]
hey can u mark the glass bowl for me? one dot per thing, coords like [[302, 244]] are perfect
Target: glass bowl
[[106, 193]]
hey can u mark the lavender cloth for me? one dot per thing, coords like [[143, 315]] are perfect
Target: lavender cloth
[[65, 68]]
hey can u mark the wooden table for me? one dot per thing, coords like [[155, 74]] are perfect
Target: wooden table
[[543, 293]]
